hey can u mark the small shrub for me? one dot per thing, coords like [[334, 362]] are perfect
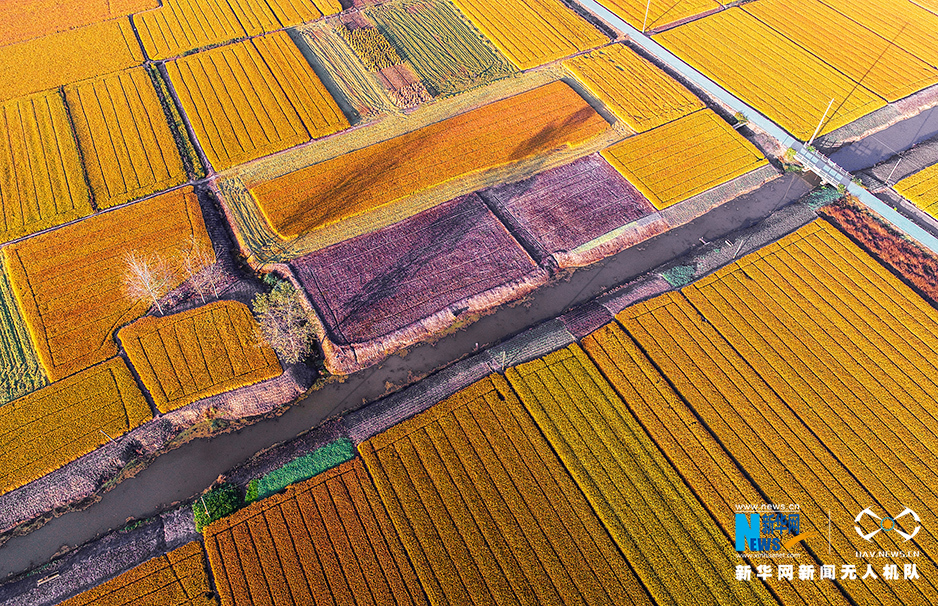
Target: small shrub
[[221, 502], [250, 495], [283, 322]]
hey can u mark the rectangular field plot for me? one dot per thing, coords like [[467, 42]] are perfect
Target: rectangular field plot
[[684, 158], [177, 578], [77, 54], [630, 483], [921, 189], [875, 62], [493, 135], [69, 282], [637, 92], [46, 429], [382, 282], [125, 139], [41, 178], [660, 13], [324, 541], [21, 21], [564, 208], [198, 353], [252, 99], [532, 32], [778, 78], [486, 511]]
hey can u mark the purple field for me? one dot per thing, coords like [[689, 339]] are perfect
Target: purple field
[[566, 207], [382, 282]]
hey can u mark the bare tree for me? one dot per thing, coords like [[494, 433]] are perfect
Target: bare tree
[[283, 322], [201, 267], [147, 277]]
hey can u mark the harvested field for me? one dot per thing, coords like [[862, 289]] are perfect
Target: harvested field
[[198, 353], [486, 511], [21, 21], [381, 283], [177, 578], [447, 53], [41, 179], [126, 143], [252, 99], [57, 59], [630, 483], [684, 158], [875, 62], [496, 134], [774, 75], [532, 32], [69, 282], [921, 189], [637, 92], [561, 209], [20, 369], [327, 540], [57, 424], [660, 12]]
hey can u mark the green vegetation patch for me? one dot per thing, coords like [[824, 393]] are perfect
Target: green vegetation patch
[[20, 370], [216, 504], [302, 468]]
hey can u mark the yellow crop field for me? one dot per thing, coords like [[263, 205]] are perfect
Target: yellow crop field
[[630, 483], [637, 92], [25, 20], [125, 139], [48, 428], [532, 32], [876, 63], [931, 5], [41, 179], [57, 59], [198, 353], [177, 578], [660, 12], [496, 134], [252, 99], [684, 158], [69, 282], [921, 189], [778, 78], [486, 511]]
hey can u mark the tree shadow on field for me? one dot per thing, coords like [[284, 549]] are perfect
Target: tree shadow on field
[[552, 132]]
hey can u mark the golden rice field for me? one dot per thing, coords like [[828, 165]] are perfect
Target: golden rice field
[[921, 189], [684, 158], [630, 484], [637, 92], [55, 425], [69, 56], [252, 99], [486, 511], [198, 353], [778, 78], [126, 143], [41, 179], [327, 540], [177, 578], [493, 135], [660, 13], [25, 20], [873, 61], [68, 282], [532, 32]]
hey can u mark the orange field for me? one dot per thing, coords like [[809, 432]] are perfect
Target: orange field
[[660, 12], [493, 135], [69, 282], [327, 540], [198, 353], [24, 20]]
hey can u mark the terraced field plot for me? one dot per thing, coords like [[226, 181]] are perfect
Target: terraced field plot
[[921, 189], [198, 353], [253, 98], [327, 540], [486, 511], [630, 483], [69, 282], [57, 424], [41, 179], [57, 59], [177, 578], [496, 134], [660, 13], [774, 75], [684, 158], [125, 139], [25, 20], [873, 61], [532, 32], [637, 92], [20, 369]]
